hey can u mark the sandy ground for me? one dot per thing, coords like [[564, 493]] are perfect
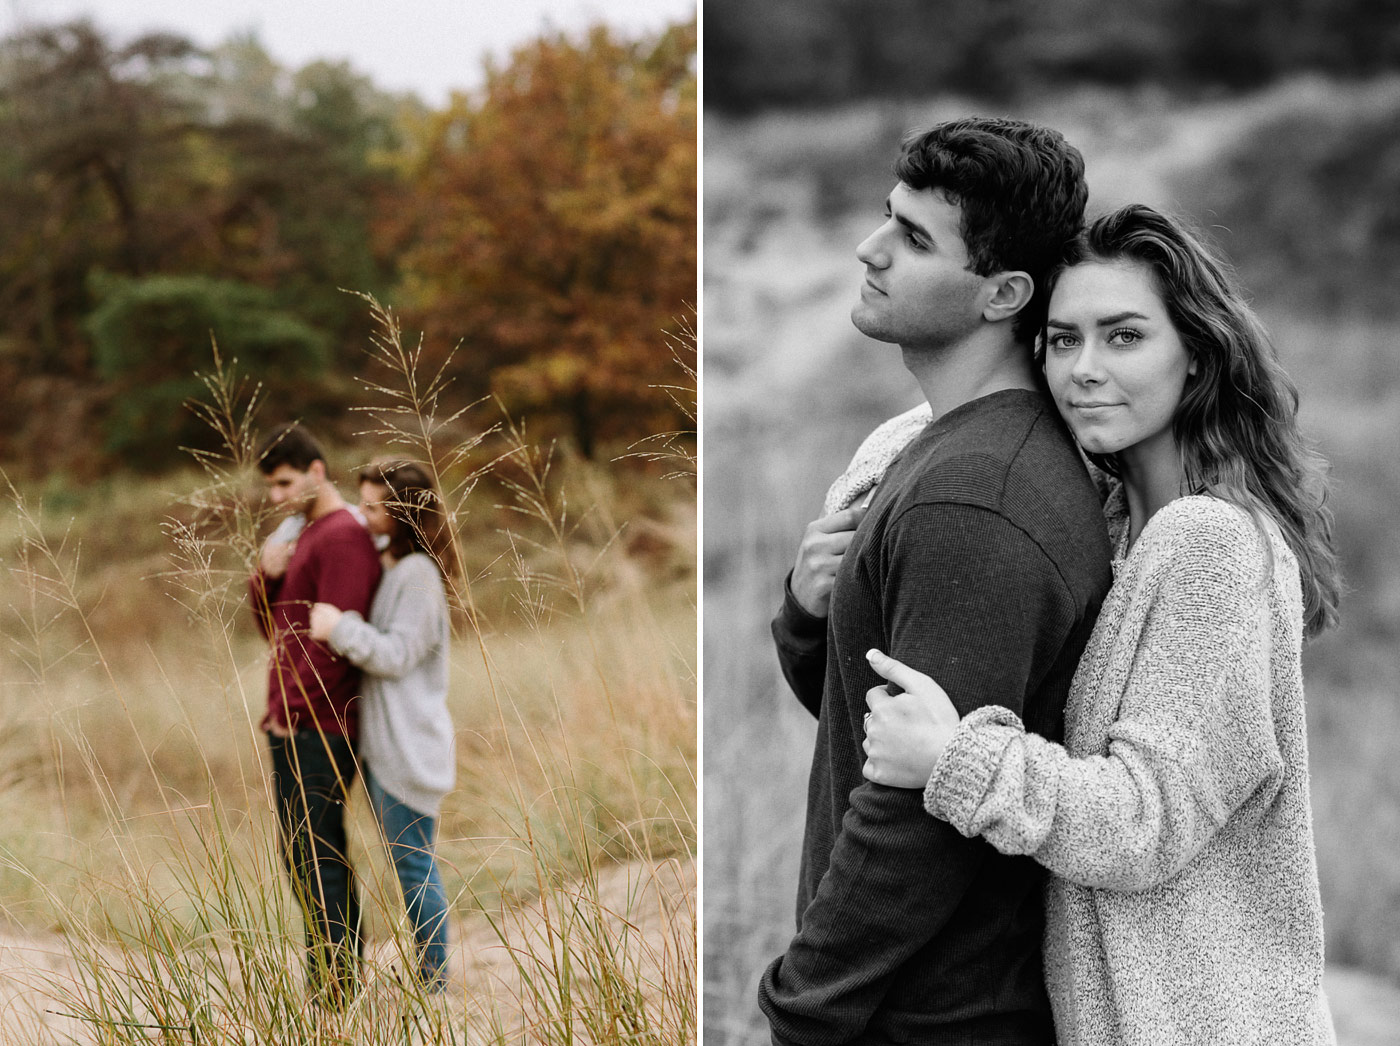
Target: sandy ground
[[657, 902]]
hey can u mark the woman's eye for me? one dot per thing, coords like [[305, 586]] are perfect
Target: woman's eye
[[1061, 342], [1125, 336]]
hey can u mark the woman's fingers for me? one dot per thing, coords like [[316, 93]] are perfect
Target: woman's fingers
[[897, 672], [819, 555], [847, 519], [892, 729], [905, 732]]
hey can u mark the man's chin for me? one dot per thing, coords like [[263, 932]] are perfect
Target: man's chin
[[867, 324]]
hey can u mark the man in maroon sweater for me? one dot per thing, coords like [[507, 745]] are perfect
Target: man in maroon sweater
[[311, 717], [982, 559]]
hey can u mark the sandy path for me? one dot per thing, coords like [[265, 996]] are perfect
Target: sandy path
[[656, 902]]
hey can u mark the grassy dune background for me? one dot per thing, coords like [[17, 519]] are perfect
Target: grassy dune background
[[1298, 184]]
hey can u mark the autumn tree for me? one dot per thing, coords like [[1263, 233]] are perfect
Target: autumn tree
[[86, 132], [549, 225], [122, 164], [298, 195]]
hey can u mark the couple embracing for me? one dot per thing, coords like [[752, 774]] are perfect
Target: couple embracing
[[354, 606], [1050, 625]]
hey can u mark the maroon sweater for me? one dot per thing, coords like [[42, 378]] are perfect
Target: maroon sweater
[[308, 685], [982, 562]]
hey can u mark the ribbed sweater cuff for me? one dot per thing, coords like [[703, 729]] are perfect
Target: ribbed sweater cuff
[[340, 637], [964, 772], [797, 624]]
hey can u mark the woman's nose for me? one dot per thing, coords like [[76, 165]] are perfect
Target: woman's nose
[[1087, 369]]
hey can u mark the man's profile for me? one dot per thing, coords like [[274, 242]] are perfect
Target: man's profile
[[982, 556], [311, 718]]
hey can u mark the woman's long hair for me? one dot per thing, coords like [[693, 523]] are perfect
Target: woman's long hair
[[416, 508], [1237, 422]]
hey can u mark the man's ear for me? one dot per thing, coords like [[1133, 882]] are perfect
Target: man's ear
[[317, 469], [1011, 292]]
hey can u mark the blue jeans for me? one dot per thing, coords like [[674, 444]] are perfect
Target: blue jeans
[[410, 837], [311, 778]]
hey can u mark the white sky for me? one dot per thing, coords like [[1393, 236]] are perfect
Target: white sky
[[427, 46]]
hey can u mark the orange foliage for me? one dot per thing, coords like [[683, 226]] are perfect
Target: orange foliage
[[549, 225]]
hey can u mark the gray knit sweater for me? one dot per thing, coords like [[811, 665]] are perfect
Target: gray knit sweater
[[406, 736], [1184, 908]]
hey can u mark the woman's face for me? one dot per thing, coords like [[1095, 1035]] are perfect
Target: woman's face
[[1115, 364], [377, 518]]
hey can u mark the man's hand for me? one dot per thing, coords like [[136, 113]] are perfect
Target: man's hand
[[905, 730], [275, 557], [324, 617], [823, 544]]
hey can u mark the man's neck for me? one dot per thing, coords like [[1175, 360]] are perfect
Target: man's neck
[[953, 375], [328, 500]]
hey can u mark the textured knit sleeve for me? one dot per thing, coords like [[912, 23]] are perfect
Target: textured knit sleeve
[[970, 599], [800, 639], [1193, 739], [406, 628]]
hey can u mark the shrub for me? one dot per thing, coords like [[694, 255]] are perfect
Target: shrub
[[150, 334], [1324, 230]]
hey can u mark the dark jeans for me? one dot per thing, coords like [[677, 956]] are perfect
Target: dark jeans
[[311, 778]]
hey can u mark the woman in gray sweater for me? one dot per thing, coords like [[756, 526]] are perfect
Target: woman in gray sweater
[[1184, 905], [406, 742]]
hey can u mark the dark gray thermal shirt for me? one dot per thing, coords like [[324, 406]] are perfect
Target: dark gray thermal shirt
[[982, 562]]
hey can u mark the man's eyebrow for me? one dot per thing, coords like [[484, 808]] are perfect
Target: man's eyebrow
[[908, 223], [914, 227]]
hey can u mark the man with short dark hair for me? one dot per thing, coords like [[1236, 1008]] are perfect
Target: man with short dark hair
[[980, 558], [311, 716]]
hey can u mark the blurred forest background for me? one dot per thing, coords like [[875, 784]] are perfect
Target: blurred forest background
[[540, 233], [155, 192], [1276, 127]]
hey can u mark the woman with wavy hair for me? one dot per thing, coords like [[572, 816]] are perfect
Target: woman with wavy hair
[[406, 743], [1183, 905]]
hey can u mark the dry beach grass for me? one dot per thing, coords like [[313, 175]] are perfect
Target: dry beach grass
[[141, 894]]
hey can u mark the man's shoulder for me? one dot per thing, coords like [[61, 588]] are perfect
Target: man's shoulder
[[1018, 462], [337, 528], [1003, 424], [984, 453]]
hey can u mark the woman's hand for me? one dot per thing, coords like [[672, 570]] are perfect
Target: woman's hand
[[824, 543], [275, 557], [323, 620], [906, 732]]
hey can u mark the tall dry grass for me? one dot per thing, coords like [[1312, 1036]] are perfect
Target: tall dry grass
[[140, 847]]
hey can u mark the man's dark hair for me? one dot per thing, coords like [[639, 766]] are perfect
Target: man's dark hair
[[1021, 189], [288, 445]]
